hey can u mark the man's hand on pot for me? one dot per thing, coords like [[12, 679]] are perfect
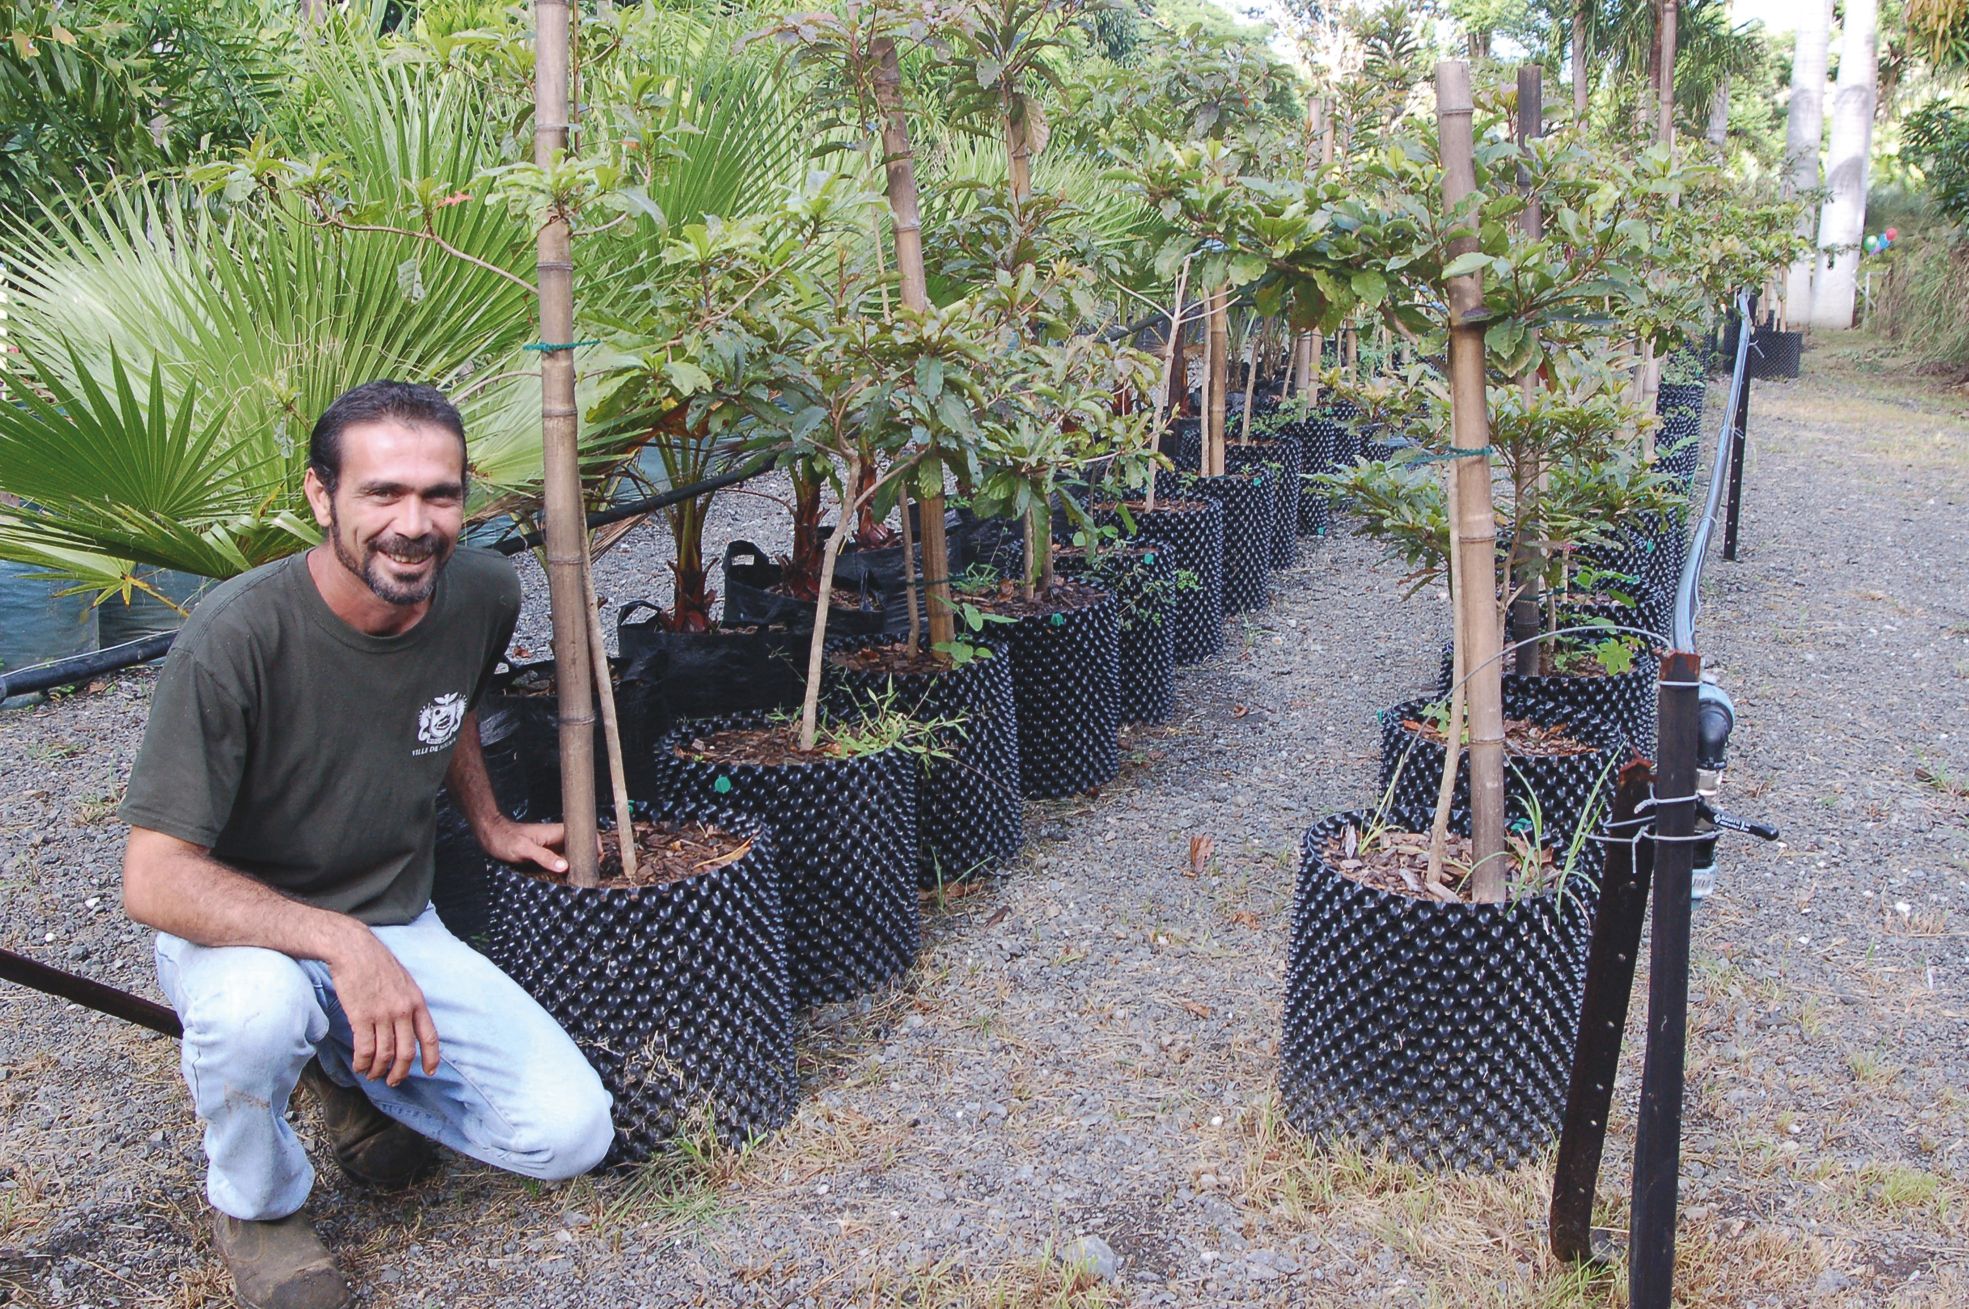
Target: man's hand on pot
[[528, 843]]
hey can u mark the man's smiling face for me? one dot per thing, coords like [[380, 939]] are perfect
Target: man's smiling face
[[398, 505]]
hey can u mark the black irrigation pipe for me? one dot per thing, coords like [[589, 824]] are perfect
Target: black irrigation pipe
[[94, 663]]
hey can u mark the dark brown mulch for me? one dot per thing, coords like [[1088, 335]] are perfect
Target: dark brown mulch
[[1064, 596], [897, 659], [669, 852], [1521, 736]]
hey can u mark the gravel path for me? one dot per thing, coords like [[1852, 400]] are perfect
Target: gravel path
[[1088, 1048]]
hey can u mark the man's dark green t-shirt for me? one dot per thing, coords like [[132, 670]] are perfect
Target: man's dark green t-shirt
[[310, 754]]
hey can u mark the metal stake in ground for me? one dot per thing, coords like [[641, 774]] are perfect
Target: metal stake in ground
[[1609, 988], [1739, 418], [1658, 1123]]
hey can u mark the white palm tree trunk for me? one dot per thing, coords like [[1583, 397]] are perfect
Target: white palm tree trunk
[[1844, 218], [1804, 128]]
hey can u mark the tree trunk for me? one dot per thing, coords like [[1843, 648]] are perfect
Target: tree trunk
[[1219, 356], [566, 526], [1472, 517], [1581, 83], [1803, 133], [1718, 134], [1665, 73], [1844, 218], [899, 165], [1528, 478]]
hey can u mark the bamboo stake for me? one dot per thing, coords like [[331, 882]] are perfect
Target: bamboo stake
[[1253, 341], [625, 829], [909, 569], [899, 166], [1220, 379], [1473, 521], [1579, 82], [566, 525], [1453, 743], [1665, 114]]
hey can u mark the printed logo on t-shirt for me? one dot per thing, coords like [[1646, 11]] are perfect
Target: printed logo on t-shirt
[[438, 722]]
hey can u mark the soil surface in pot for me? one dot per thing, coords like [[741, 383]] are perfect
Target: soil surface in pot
[[1398, 862], [774, 745], [896, 658], [1177, 505], [1064, 595], [1521, 736], [669, 852]]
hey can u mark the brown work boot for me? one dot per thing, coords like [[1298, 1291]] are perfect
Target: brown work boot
[[280, 1265], [372, 1147]]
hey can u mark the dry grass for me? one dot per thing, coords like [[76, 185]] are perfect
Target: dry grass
[[1044, 1282], [1480, 1241]]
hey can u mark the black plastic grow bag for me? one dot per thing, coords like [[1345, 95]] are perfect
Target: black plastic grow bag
[[1558, 793], [678, 995], [459, 890], [751, 600], [844, 842], [1249, 501], [1066, 680], [1142, 577], [1442, 1032], [1193, 529], [971, 819], [525, 692]]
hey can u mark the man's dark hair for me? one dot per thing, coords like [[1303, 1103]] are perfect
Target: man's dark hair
[[407, 402]]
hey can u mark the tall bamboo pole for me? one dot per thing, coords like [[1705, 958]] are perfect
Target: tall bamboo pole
[[1219, 355], [1473, 520], [1529, 477], [566, 526], [899, 166]]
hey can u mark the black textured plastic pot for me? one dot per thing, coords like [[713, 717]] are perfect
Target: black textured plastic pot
[[1314, 448], [459, 890], [1280, 460], [845, 844], [1249, 501], [677, 994], [1066, 679], [1345, 416], [970, 818], [1142, 577], [1627, 700], [1678, 439], [1442, 1032], [1775, 356], [1193, 529], [1557, 792]]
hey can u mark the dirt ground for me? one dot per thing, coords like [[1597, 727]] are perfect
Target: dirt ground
[[1089, 1045]]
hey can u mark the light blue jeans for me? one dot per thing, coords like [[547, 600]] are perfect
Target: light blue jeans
[[511, 1089]]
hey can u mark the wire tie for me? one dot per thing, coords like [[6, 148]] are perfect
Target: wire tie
[[554, 347]]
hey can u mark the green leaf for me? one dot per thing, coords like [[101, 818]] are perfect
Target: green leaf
[[1470, 261]]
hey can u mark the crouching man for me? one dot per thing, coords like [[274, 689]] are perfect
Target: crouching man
[[282, 810]]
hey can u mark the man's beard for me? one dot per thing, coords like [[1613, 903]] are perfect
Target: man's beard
[[370, 567]]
